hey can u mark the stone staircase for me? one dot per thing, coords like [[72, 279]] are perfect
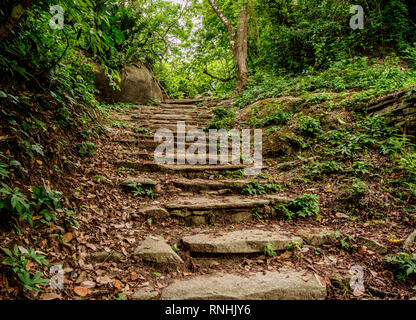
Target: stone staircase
[[202, 195]]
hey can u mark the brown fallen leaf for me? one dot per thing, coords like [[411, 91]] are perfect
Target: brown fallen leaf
[[50, 296], [117, 285], [68, 236], [133, 275], [81, 291]]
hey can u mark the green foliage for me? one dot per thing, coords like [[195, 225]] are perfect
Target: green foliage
[[303, 206], [406, 264], [293, 36], [223, 119], [318, 169], [86, 148], [18, 261], [14, 201], [277, 117], [236, 174], [121, 296], [142, 130], [356, 189], [140, 191], [269, 250], [369, 76], [254, 187], [346, 242], [49, 202], [309, 126]]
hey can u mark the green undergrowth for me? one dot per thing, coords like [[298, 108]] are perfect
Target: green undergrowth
[[366, 77]]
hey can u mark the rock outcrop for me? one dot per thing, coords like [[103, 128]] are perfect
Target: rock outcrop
[[137, 85]]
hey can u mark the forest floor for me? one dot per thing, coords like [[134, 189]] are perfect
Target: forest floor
[[126, 198]]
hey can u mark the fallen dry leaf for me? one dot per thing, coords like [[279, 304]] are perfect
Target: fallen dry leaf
[[81, 291], [133, 275], [117, 285], [68, 236]]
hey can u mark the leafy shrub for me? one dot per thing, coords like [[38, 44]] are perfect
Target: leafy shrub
[[254, 187], [406, 264], [223, 119], [16, 202], [303, 206], [309, 126], [18, 262]]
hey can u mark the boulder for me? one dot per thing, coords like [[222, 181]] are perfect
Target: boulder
[[137, 85]]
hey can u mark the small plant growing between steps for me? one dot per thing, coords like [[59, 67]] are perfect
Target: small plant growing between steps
[[256, 215], [140, 191], [303, 206], [256, 188], [269, 250], [347, 242], [18, 262], [234, 174]]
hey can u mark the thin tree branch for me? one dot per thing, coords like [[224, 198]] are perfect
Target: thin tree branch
[[224, 21], [215, 77]]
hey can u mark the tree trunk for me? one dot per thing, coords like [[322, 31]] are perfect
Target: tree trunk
[[240, 51], [238, 42]]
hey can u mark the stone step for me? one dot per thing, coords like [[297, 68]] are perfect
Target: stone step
[[282, 285], [148, 154], [155, 250], [204, 203], [182, 106], [201, 122], [220, 209], [243, 241], [179, 117], [207, 184], [169, 110], [172, 127], [185, 101], [146, 182]]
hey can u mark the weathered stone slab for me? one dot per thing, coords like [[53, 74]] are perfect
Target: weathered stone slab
[[154, 249], [276, 199], [285, 285], [144, 294], [316, 237], [244, 241], [217, 203], [141, 181], [155, 212], [206, 184], [101, 256], [373, 245]]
